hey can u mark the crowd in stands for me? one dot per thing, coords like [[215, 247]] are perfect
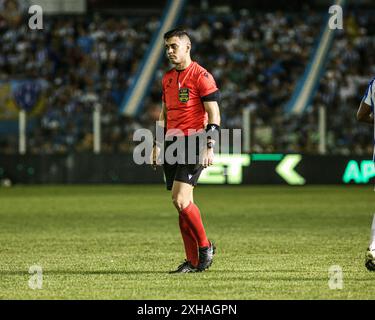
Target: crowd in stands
[[350, 68], [88, 63], [255, 57]]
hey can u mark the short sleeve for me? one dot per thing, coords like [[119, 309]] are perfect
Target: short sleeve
[[368, 98], [206, 84]]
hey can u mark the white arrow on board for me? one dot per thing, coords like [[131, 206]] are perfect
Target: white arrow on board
[[286, 169]]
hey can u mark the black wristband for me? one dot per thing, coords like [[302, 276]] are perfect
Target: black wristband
[[212, 131]]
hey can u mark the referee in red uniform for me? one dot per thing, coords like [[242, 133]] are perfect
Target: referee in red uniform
[[189, 101]]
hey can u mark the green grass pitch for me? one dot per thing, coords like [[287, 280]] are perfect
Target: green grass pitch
[[119, 242]]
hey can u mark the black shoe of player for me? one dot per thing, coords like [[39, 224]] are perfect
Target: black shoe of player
[[185, 267], [206, 255], [370, 260]]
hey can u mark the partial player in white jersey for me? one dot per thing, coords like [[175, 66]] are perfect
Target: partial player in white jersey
[[366, 114]]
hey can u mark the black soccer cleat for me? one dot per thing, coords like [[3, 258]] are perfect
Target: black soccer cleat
[[185, 267], [206, 255], [370, 260]]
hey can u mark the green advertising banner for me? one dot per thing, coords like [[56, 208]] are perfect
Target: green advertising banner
[[232, 169]]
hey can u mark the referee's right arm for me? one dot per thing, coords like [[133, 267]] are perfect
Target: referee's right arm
[[163, 117], [163, 114], [156, 148]]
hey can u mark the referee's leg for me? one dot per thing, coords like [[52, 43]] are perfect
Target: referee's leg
[[190, 219], [182, 195]]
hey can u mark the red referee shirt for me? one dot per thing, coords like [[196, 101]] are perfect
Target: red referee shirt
[[182, 93]]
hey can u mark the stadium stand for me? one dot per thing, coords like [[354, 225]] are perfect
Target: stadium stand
[[256, 59]]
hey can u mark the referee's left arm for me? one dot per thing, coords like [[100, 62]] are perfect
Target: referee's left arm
[[210, 95], [212, 109]]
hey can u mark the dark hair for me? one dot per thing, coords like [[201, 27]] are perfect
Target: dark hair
[[178, 32]]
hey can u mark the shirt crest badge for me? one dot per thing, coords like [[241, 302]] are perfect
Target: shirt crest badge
[[183, 95]]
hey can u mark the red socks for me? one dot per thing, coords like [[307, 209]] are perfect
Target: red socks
[[191, 245], [193, 219]]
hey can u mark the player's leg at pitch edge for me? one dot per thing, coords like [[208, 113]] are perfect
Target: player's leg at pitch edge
[[370, 260]]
